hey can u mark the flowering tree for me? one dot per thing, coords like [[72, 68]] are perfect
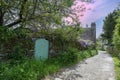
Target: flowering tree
[[37, 13]]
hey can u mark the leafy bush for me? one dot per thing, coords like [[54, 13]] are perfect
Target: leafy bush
[[30, 69], [112, 49], [116, 37], [15, 41], [61, 38], [86, 44], [86, 54], [117, 67], [69, 57], [22, 71]]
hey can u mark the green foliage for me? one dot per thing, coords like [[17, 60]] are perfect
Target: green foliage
[[23, 71], [15, 41], [86, 54], [30, 69], [111, 49], [116, 42], [116, 37], [117, 67], [61, 38], [69, 56], [35, 13], [109, 26]]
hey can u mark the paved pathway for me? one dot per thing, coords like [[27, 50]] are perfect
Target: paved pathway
[[99, 67]]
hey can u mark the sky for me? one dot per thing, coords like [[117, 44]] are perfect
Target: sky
[[94, 12]]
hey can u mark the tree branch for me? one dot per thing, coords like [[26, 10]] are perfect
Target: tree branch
[[14, 23], [20, 15]]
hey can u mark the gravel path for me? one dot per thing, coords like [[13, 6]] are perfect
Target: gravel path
[[99, 67]]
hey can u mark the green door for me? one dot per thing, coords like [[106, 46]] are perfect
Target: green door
[[41, 49]]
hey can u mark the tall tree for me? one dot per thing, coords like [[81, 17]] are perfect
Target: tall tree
[[40, 13], [37, 13], [116, 37], [109, 26]]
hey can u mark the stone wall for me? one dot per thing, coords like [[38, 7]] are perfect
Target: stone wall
[[89, 33]]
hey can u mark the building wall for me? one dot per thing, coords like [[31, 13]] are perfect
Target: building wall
[[89, 33]]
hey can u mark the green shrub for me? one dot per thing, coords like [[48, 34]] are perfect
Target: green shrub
[[117, 67], [112, 50], [69, 57], [15, 41], [61, 38], [86, 54], [30, 69], [116, 37]]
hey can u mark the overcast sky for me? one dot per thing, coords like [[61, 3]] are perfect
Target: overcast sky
[[95, 12]]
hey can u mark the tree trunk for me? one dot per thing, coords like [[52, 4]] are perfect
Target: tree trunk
[[1, 17]]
